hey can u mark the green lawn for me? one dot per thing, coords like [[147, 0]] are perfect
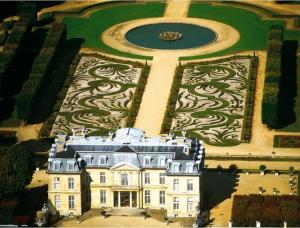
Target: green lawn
[[90, 29], [253, 30]]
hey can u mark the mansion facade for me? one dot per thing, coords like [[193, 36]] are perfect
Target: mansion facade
[[126, 169]]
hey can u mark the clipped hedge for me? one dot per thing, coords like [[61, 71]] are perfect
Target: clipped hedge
[[270, 210], [272, 77], [137, 97], [40, 71], [170, 111], [247, 125], [12, 46]]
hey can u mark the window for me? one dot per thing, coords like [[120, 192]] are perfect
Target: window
[[71, 203], [56, 183], [190, 185], [147, 196], [124, 179], [102, 178], [71, 166], [175, 167], [176, 203], [189, 204], [147, 178], [161, 161], [88, 159], [71, 183], [161, 178], [190, 168], [102, 196], [162, 197], [147, 161], [56, 166], [176, 185], [57, 201], [102, 160]]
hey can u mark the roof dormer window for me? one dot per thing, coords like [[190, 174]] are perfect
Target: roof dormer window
[[190, 168], [56, 165], [102, 160], [175, 167], [161, 161], [147, 161], [71, 166], [88, 159]]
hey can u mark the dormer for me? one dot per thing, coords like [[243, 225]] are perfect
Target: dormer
[[147, 160], [175, 168], [56, 165], [190, 167], [88, 159], [102, 160], [71, 165], [161, 161]]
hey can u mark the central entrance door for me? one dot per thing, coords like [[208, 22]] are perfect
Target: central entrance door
[[125, 199]]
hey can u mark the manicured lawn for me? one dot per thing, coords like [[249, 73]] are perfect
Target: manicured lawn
[[90, 29], [253, 30]]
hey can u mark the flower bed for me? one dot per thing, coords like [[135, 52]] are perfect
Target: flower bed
[[286, 141]]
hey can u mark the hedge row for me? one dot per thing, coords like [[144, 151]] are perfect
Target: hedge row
[[47, 126], [171, 106], [270, 210], [272, 77], [137, 98], [12, 46], [247, 126], [40, 71]]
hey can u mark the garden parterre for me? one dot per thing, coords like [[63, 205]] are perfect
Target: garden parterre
[[99, 97], [211, 100]]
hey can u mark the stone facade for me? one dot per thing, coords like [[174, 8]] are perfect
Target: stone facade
[[126, 169]]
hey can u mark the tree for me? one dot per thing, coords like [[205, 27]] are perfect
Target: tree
[[291, 169], [262, 169], [16, 169]]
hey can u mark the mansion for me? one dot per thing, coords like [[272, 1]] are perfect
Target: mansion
[[126, 169]]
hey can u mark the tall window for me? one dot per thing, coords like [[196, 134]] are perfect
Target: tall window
[[57, 201], [71, 183], [124, 179], [161, 178], [176, 184], [147, 196], [189, 204], [190, 168], [161, 161], [71, 202], [176, 203], [102, 178], [162, 197], [102, 196], [147, 178], [190, 185], [56, 183]]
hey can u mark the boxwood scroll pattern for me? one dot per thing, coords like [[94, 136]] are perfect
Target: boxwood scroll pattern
[[99, 97], [211, 100]]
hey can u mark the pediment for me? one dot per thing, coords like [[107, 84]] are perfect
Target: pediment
[[124, 166]]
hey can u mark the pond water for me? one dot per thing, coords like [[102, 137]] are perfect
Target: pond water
[[192, 36]]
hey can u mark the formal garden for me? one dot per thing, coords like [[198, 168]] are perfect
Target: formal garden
[[100, 95], [212, 100]]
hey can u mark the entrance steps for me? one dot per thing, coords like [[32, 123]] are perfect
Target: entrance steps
[[125, 211]]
